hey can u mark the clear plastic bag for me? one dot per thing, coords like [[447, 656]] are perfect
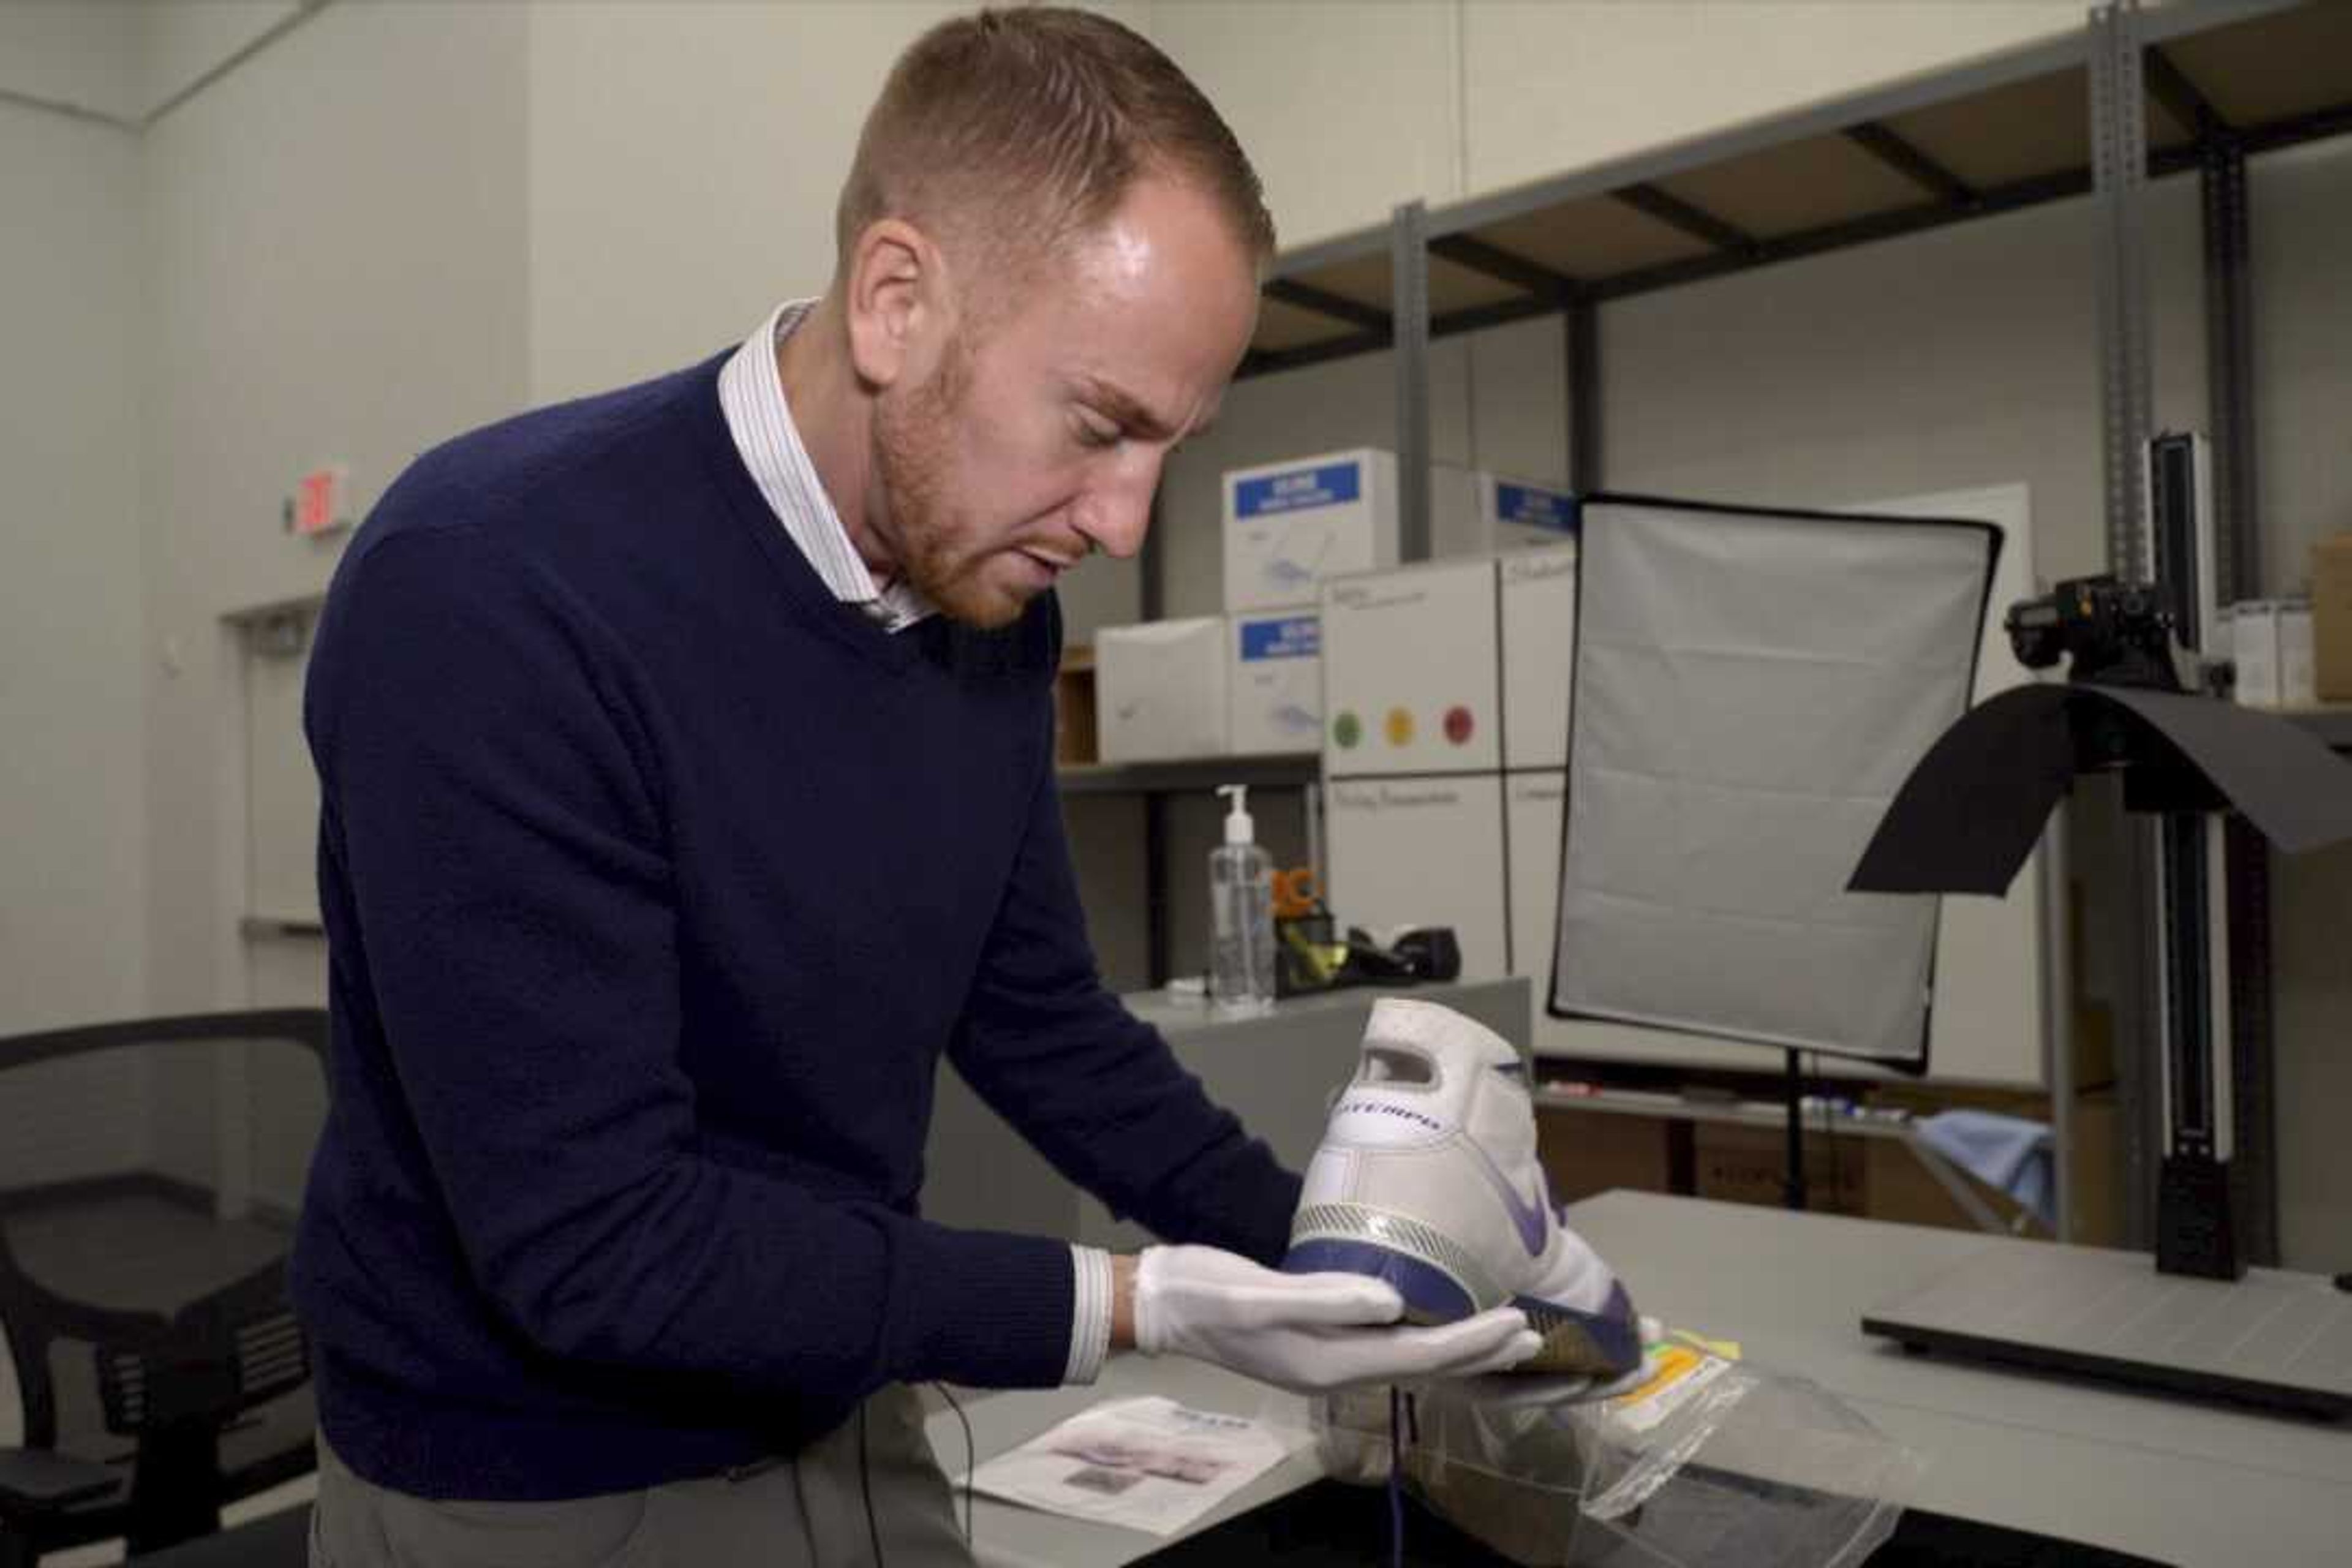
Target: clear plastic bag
[[1704, 1462]]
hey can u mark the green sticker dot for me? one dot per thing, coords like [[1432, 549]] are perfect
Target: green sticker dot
[[1347, 730]]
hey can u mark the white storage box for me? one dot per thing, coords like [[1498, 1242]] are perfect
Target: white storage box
[[1533, 808], [1275, 689], [1411, 677], [1159, 690], [1289, 525], [2270, 644], [1422, 852], [1516, 515], [1538, 593]]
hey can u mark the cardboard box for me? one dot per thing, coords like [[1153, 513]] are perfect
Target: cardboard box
[[1899, 1188], [1539, 610], [1290, 525], [1742, 1164], [1589, 1151], [1161, 689], [2331, 618], [2095, 1195], [1076, 738], [1421, 852], [1275, 689], [1410, 672]]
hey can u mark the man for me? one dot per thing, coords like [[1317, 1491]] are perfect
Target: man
[[687, 792]]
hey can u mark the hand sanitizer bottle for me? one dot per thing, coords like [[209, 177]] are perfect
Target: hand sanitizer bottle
[[1241, 898]]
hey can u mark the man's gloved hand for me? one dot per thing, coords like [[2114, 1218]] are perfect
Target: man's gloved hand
[[1311, 1333]]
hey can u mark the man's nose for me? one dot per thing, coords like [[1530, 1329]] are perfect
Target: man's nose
[[1118, 513]]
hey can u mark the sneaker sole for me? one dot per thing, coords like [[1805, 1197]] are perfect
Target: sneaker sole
[[1440, 1283]]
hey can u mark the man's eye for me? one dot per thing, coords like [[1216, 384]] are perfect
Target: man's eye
[[1094, 434]]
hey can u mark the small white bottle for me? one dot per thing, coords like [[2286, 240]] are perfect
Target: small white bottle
[[1240, 900]]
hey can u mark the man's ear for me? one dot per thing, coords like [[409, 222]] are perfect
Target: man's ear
[[898, 303]]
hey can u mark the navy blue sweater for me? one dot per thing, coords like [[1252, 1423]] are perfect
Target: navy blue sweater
[[657, 883]]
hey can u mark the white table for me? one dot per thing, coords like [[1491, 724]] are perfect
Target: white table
[[2188, 1484], [1005, 1536], [2193, 1484]]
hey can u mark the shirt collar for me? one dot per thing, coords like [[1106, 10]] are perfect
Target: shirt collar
[[751, 395]]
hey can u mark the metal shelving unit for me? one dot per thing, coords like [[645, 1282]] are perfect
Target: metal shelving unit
[[1272, 771], [1155, 783], [2198, 86], [1765, 1118]]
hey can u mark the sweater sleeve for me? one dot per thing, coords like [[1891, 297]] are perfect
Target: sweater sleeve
[[1094, 1089], [498, 817]]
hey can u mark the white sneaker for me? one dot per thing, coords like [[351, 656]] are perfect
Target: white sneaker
[[1427, 1178]]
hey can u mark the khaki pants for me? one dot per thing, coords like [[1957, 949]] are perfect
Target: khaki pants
[[806, 1511]]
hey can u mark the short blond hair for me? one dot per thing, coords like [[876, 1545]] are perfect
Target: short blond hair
[[1011, 132]]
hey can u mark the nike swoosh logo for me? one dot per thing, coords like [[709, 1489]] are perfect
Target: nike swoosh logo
[[1531, 1219]]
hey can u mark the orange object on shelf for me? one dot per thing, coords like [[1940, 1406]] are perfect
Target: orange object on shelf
[[1293, 893]]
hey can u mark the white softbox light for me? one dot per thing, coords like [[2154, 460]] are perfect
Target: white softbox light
[[1751, 688]]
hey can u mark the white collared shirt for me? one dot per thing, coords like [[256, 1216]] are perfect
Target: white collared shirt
[[752, 395]]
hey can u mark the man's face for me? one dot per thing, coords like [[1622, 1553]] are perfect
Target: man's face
[[1027, 450]]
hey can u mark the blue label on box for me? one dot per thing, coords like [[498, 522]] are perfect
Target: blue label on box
[[1298, 490], [1294, 637], [1532, 507]]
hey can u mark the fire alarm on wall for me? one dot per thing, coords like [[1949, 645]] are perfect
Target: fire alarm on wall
[[318, 502]]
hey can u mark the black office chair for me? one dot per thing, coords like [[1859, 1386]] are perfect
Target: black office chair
[[158, 1365]]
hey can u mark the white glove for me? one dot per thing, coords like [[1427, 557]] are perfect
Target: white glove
[[1311, 1333]]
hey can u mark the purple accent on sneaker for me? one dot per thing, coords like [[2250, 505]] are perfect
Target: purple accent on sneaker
[[1430, 1293], [1533, 1220]]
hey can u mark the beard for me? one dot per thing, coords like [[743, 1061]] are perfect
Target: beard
[[914, 441]]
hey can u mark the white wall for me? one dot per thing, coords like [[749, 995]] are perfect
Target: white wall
[[72, 765], [1350, 110], [82, 53], [683, 163], [1962, 356], [122, 58], [1345, 111], [181, 40], [1563, 86], [335, 253]]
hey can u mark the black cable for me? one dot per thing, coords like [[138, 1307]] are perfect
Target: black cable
[[1829, 1129], [970, 1457], [1396, 1478], [865, 1485]]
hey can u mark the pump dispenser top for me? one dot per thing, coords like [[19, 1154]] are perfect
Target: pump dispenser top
[[1239, 827]]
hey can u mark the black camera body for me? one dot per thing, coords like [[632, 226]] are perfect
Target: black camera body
[[2118, 633]]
